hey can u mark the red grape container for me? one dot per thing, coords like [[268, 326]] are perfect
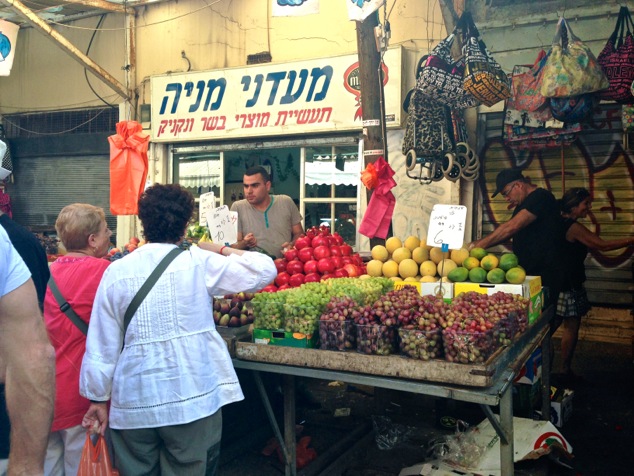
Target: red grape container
[[469, 346], [376, 339], [337, 335], [505, 329], [421, 344]]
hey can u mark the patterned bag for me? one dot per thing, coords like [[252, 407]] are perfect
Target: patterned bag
[[571, 68], [627, 117], [526, 106], [526, 85], [483, 76], [529, 138], [438, 76], [427, 130], [573, 109], [617, 60]]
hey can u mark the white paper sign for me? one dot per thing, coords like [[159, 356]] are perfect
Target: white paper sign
[[223, 225], [206, 206], [446, 226], [8, 38]]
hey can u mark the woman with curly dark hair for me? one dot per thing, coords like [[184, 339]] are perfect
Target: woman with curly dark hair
[[168, 384]]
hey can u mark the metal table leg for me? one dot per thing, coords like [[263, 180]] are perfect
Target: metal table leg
[[546, 343], [269, 412], [289, 424], [507, 450]]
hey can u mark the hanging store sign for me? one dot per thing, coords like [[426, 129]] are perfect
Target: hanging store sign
[[303, 97], [8, 38]]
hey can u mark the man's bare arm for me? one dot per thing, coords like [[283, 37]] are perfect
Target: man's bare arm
[[506, 230], [29, 371]]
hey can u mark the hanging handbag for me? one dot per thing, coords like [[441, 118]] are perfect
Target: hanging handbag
[[428, 126], [573, 109], [617, 60], [571, 68], [531, 138], [627, 117], [526, 87], [483, 76], [438, 76]]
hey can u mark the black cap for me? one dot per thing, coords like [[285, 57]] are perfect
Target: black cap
[[505, 177]]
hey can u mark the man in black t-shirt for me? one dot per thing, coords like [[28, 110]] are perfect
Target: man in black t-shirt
[[34, 256], [536, 228]]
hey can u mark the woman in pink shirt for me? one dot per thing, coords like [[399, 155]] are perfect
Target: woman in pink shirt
[[84, 233]]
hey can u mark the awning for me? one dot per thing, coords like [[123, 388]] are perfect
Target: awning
[[204, 173], [322, 171]]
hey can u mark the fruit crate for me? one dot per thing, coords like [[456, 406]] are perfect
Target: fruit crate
[[469, 346], [286, 339], [376, 340], [337, 335], [421, 344]]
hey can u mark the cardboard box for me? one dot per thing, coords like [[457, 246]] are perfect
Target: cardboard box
[[531, 288], [526, 398], [532, 369], [426, 289], [560, 405], [288, 339]]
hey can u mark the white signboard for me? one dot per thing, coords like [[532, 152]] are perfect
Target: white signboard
[[446, 226], [223, 225], [320, 95], [206, 206]]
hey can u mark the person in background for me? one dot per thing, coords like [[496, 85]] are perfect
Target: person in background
[[27, 364], [168, 376], [536, 230], [269, 222], [573, 304], [83, 231], [34, 256]]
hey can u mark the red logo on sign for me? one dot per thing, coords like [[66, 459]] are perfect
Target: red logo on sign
[[352, 83]]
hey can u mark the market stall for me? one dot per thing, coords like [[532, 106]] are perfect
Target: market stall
[[487, 384]]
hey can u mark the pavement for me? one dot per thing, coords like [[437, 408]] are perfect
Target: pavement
[[362, 431]]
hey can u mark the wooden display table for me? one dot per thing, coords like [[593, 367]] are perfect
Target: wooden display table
[[486, 384]]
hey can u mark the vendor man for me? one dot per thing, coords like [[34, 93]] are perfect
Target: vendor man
[[269, 222], [536, 229]]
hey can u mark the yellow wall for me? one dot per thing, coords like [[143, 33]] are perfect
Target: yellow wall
[[213, 37]]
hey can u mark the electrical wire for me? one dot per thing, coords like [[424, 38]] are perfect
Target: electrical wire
[[167, 20], [4, 118], [94, 33]]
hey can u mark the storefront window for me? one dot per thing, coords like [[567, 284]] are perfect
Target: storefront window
[[199, 173], [331, 175]]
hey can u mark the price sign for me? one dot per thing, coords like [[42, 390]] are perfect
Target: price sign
[[223, 225], [206, 205], [446, 226]]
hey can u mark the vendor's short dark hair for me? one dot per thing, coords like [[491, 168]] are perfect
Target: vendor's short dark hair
[[165, 211], [258, 169]]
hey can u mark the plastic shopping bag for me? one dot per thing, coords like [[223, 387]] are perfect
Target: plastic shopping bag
[[95, 460], [128, 167]]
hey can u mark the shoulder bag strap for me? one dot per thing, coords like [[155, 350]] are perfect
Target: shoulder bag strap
[[65, 307], [147, 286]]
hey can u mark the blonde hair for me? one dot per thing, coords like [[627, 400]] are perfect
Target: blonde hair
[[76, 222]]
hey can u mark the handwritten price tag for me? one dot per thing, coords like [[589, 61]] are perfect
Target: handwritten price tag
[[206, 205], [446, 226], [223, 225]]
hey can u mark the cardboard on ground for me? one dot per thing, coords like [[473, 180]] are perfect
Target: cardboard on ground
[[446, 226], [532, 439]]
